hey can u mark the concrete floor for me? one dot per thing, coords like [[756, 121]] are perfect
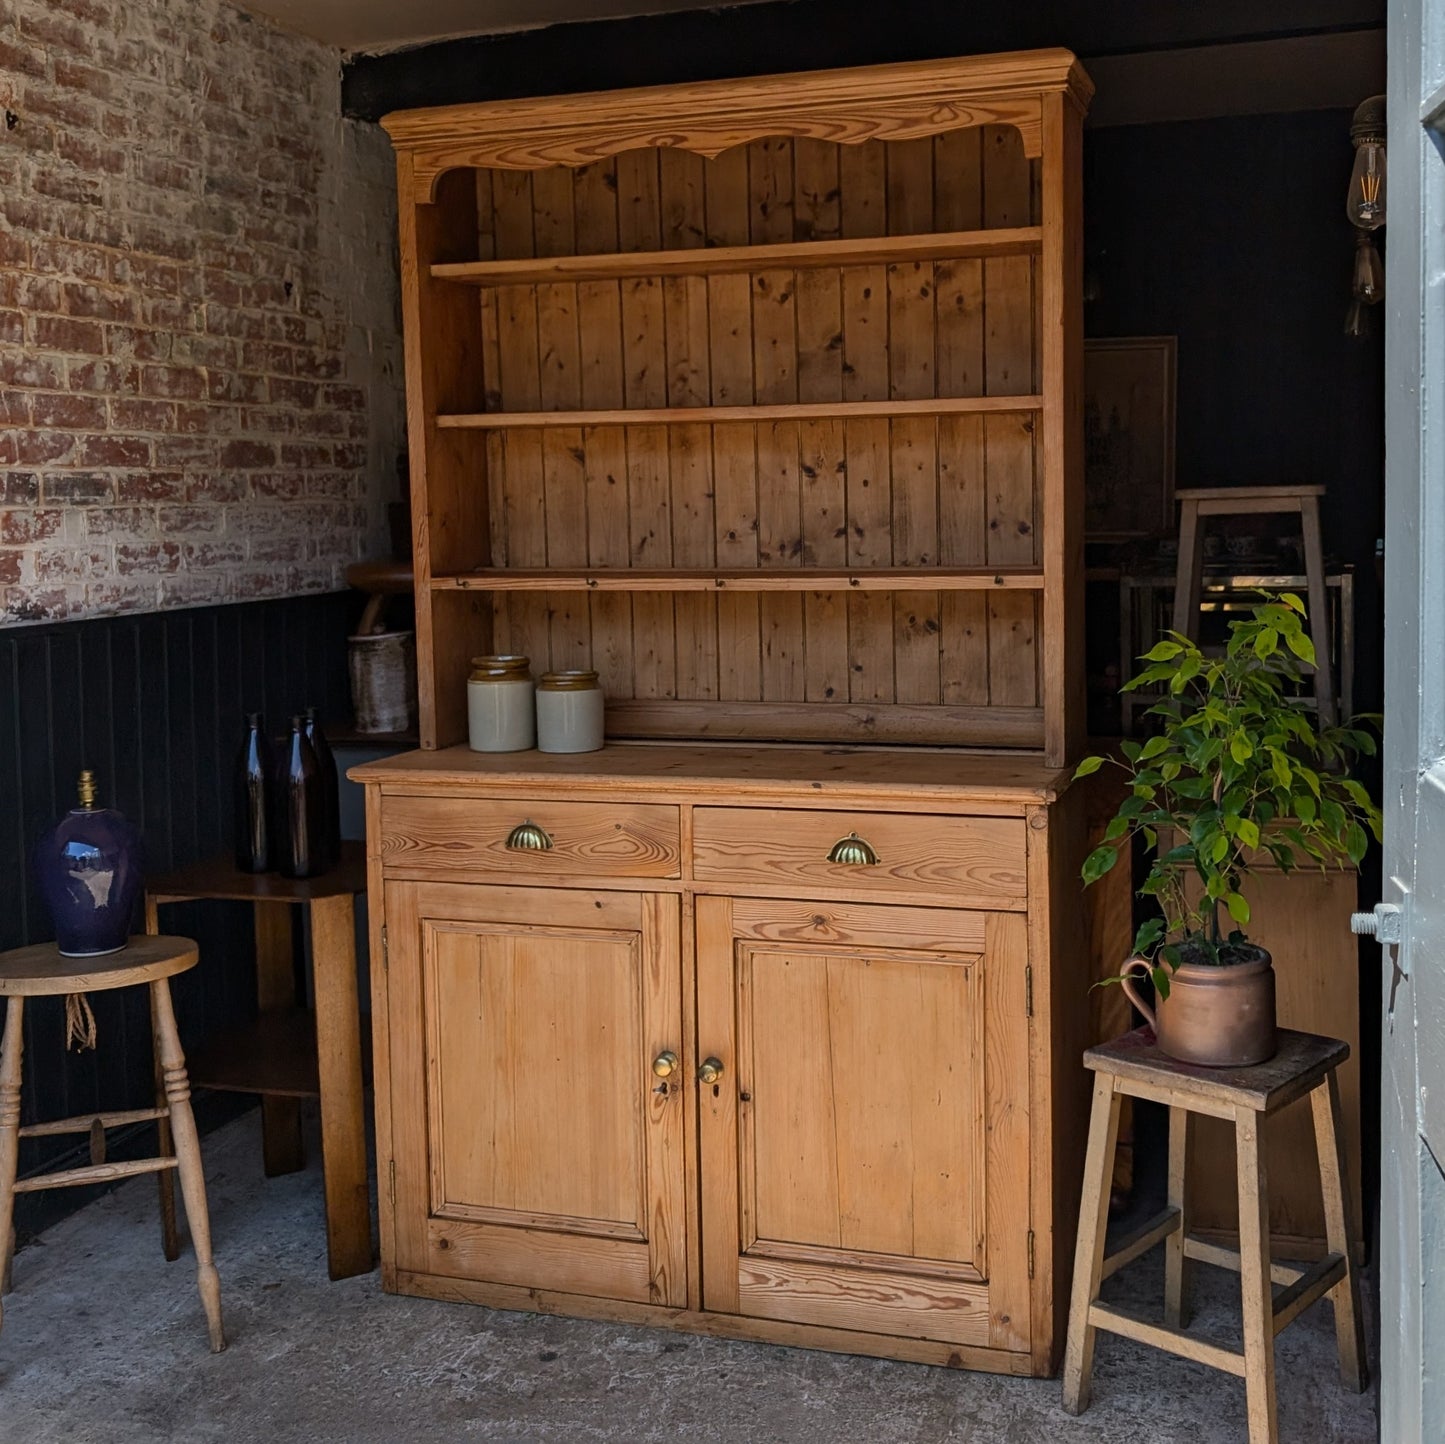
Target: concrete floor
[[104, 1341]]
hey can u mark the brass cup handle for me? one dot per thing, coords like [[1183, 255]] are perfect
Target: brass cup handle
[[709, 1070], [666, 1064], [853, 851], [528, 837]]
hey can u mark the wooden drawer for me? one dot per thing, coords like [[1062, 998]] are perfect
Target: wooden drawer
[[958, 861], [454, 837]]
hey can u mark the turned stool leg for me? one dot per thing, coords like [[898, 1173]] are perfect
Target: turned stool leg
[[165, 1148], [1339, 1232], [10, 1051], [1089, 1253], [1309, 515], [1176, 1265], [1254, 1279], [188, 1156], [1189, 570]]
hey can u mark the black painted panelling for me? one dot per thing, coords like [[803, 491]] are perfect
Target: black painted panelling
[[707, 44], [153, 705]]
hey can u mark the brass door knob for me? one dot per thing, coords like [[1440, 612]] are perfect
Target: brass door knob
[[709, 1070], [853, 851], [528, 837], [665, 1064]]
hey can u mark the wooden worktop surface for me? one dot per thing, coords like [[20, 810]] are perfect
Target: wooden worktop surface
[[686, 769]]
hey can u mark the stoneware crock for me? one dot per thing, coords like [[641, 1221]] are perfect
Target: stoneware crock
[[1221, 1017]]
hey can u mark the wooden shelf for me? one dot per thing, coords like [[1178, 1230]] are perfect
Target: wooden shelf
[[275, 1056], [726, 260], [791, 411], [798, 579]]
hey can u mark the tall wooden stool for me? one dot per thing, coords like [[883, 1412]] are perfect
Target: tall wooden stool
[[1133, 1066], [41, 972], [1201, 502]]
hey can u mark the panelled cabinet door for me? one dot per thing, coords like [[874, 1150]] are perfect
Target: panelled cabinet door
[[865, 1151], [534, 1144]]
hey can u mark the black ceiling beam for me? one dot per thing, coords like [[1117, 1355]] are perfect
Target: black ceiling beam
[[783, 35]]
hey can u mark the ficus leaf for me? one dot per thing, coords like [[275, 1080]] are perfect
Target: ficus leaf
[[1301, 646], [1088, 766], [1150, 931], [1098, 863]]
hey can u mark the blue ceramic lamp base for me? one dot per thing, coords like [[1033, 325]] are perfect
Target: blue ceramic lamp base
[[88, 869]]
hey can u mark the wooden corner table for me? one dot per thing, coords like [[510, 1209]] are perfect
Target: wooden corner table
[[286, 1054]]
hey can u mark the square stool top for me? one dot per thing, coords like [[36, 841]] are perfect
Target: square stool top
[[1302, 1061]]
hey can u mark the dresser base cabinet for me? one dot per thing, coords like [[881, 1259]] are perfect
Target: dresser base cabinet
[[774, 1096]]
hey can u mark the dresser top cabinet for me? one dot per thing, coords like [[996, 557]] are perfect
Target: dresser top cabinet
[[761, 398]]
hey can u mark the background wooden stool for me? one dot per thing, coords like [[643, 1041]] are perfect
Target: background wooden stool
[[1200, 502], [1133, 1066], [41, 972]]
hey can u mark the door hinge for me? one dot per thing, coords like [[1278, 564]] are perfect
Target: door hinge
[[385, 951], [1031, 1253], [391, 1194], [1029, 990]]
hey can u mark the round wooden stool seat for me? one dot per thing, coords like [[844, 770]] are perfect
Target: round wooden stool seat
[[41, 972]]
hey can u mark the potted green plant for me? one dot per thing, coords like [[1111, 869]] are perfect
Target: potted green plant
[[1237, 772]]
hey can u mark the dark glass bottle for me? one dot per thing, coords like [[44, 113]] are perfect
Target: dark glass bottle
[[330, 786], [255, 768], [301, 808]]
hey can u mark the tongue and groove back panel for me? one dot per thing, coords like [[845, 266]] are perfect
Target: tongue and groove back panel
[[776, 430], [909, 491]]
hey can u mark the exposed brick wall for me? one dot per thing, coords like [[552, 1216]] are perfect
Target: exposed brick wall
[[200, 358]]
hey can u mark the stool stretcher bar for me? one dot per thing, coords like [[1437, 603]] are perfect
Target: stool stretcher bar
[[93, 1173], [85, 1122]]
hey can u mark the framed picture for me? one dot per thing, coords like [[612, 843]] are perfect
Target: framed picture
[[1129, 437]]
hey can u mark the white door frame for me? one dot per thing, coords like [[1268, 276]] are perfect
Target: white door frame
[[1412, 1185]]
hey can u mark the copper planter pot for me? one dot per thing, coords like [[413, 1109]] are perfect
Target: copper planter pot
[[1221, 1017]]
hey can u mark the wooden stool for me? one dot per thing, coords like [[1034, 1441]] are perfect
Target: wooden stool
[[41, 972], [1264, 501], [1133, 1066]]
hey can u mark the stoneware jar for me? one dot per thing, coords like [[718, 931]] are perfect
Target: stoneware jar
[[88, 868], [569, 712], [383, 681], [500, 712], [1221, 1017]]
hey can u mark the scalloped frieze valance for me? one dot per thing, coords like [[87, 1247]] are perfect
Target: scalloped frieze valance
[[885, 102]]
